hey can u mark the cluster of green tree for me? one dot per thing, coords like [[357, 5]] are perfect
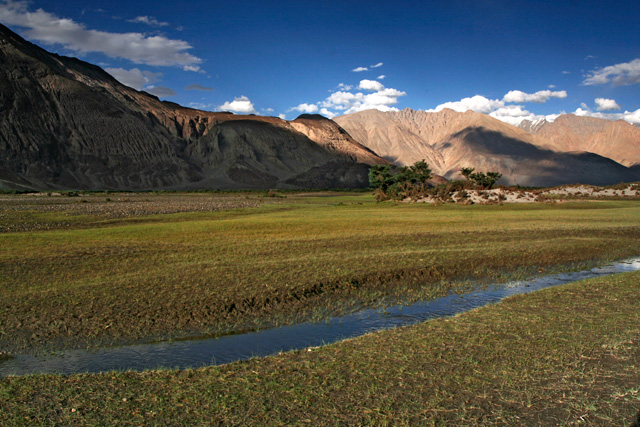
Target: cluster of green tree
[[411, 181], [480, 179], [405, 181]]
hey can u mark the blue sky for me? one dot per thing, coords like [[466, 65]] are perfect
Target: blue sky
[[510, 59]]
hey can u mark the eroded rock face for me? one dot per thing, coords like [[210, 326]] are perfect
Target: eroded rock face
[[65, 123], [450, 140]]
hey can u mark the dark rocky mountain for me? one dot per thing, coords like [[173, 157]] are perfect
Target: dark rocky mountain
[[449, 140], [67, 124]]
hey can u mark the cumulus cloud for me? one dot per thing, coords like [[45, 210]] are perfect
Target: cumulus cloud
[[160, 91], [606, 104], [379, 64], [199, 87], [382, 99], [477, 103], [139, 48], [381, 77], [238, 105], [134, 78], [282, 116], [360, 69], [305, 108], [370, 85], [627, 73], [515, 114], [325, 112], [539, 97], [148, 20], [632, 117], [498, 108]]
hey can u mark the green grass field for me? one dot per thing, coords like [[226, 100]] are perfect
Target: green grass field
[[95, 278], [87, 271], [564, 356]]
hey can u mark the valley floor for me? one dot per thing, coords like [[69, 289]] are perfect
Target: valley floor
[[557, 357]]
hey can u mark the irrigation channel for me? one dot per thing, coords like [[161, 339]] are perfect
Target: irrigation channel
[[230, 348]]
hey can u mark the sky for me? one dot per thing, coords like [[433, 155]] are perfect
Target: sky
[[513, 60]]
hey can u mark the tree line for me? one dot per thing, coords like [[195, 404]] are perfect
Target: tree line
[[411, 181]]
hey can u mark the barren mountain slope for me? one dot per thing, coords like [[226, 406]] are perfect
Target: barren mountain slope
[[617, 140], [65, 123], [455, 140]]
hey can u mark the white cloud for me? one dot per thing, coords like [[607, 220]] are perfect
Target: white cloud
[[282, 116], [477, 103], [514, 114], [134, 78], [632, 117], [606, 104], [566, 72], [627, 73], [149, 20], [381, 77], [305, 108], [552, 86], [539, 97], [360, 69], [327, 113], [370, 85], [139, 48], [193, 68], [348, 102], [496, 108], [160, 91], [343, 86], [379, 64], [238, 105]]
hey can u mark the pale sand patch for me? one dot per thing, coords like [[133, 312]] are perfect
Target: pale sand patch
[[507, 195]]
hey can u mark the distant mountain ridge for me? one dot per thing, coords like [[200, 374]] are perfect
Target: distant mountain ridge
[[617, 140], [449, 140], [65, 123]]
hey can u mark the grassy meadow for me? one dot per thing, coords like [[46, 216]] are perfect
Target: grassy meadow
[[80, 275], [564, 356], [96, 270]]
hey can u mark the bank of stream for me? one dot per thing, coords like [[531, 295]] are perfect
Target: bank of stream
[[219, 350]]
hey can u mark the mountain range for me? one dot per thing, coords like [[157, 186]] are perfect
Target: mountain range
[[538, 156], [67, 124]]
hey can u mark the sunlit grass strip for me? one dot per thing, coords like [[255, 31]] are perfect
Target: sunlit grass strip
[[561, 356]]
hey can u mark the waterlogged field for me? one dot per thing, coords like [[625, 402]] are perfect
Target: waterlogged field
[[85, 271], [565, 356]]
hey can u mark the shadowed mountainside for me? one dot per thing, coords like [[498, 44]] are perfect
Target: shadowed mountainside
[[67, 124], [449, 140], [617, 140]]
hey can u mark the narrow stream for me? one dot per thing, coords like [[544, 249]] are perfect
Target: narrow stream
[[215, 351]]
